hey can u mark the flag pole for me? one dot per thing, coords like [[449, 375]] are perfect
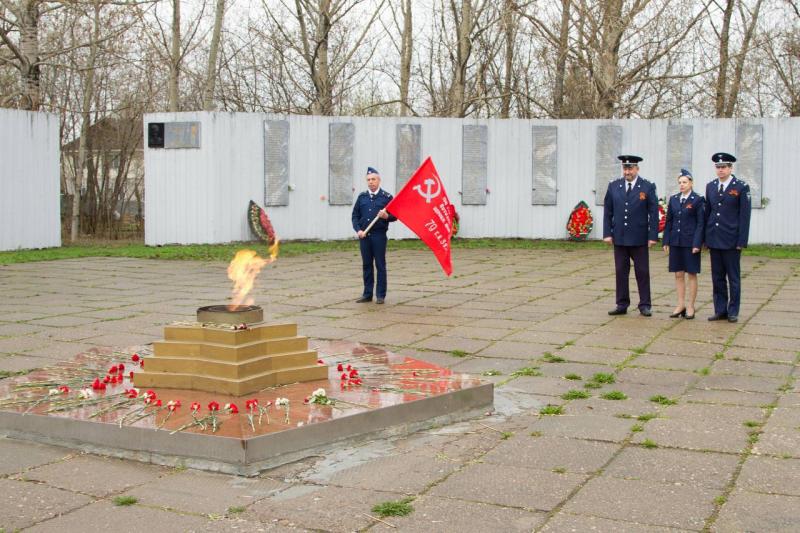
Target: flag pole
[[374, 220]]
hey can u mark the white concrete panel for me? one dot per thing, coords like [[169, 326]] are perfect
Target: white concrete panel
[[30, 214]]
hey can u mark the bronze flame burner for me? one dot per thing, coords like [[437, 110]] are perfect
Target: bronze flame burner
[[230, 314]]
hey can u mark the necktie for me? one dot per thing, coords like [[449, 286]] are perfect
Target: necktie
[[629, 186], [683, 200], [721, 189]]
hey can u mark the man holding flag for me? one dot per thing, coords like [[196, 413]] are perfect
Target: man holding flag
[[371, 222], [422, 204]]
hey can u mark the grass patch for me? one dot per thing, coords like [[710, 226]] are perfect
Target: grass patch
[[614, 395], [574, 377], [527, 371], [720, 500], [458, 353], [625, 416], [639, 351], [753, 436], [647, 443], [751, 424], [506, 435], [536, 433], [646, 416], [394, 508], [235, 510], [604, 378], [636, 428], [575, 395], [719, 355], [552, 410], [122, 501], [592, 385], [560, 470], [662, 400], [492, 373], [11, 373], [225, 252], [704, 371], [550, 358]]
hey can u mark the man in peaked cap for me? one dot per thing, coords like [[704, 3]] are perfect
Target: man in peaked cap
[[727, 223], [630, 223], [370, 204]]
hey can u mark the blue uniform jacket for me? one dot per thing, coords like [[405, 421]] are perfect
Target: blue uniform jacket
[[727, 215], [365, 209], [631, 219], [685, 224]]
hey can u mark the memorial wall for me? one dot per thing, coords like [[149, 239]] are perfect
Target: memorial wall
[[507, 178]]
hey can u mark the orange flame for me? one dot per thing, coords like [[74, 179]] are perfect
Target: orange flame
[[243, 270]]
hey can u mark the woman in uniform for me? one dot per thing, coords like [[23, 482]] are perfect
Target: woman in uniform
[[683, 240]]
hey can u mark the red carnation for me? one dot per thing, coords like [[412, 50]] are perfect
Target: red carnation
[[353, 373], [344, 377], [213, 406], [173, 404], [339, 367], [120, 368], [135, 358], [131, 393], [234, 410], [130, 375], [195, 406], [106, 379]]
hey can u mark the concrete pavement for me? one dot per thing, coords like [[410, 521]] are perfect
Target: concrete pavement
[[686, 426]]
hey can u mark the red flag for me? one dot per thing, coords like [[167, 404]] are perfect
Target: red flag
[[423, 206]]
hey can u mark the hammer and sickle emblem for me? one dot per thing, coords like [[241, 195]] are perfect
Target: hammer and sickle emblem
[[428, 194]]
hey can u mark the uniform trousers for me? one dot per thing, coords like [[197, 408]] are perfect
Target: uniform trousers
[[726, 280], [641, 267], [373, 252]]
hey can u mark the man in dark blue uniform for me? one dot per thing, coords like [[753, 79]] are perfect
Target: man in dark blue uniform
[[727, 229], [370, 204], [630, 223]]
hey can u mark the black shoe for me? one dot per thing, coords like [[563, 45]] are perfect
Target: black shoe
[[679, 314], [717, 316], [645, 311], [364, 299], [689, 317], [618, 311], [379, 301], [733, 318]]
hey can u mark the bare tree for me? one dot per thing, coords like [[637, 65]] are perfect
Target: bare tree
[[211, 70]]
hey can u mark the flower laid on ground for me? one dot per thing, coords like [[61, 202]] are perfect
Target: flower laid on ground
[[283, 402], [172, 406], [135, 358], [213, 407], [232, 408], [132, 392], [319, 397], [85, 393], [252, 407]]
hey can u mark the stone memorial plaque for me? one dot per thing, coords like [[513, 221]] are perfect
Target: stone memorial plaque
[[606, 165], [545, 165], [409, 152], [680, 138], [276, 162], [749, 154], [181, 135], [474, 164], [341, 138]]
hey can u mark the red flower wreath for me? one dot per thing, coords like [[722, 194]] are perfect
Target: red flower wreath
[[580, 222], [260, 223]]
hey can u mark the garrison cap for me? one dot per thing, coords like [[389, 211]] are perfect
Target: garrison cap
[[685, 172], [721, 158], [371, 170], [629, 160]]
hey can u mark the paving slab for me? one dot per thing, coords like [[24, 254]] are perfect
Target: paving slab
[[755, 354], [779, 441], [668, 362], [749, 511], [94, 476], [406, 473], [728, 397], [693, 435], [552, 453], [644, 502], [320, 508], [571, 523], [750, 368], [19, 456], [512, 486], [104, 516], [516, 350], [770, 475], [739, 383], [23, 503], [670, 466], [433, 513], [193, 491], [595, 427]]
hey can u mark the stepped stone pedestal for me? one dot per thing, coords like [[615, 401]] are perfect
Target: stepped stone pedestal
[[212, 356]]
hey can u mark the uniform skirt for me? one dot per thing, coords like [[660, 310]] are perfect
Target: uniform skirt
[[681, 259]]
